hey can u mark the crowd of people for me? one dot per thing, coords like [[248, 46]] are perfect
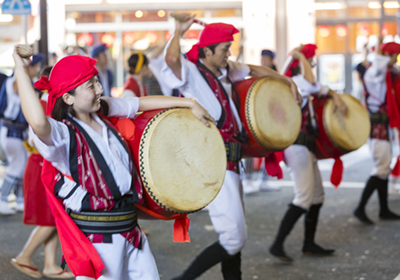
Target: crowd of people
[[63, 122]]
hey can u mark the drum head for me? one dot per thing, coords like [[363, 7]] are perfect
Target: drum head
[[347, 132], [182, 161], [272, 114]]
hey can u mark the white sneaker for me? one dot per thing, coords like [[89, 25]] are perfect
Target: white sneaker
[[249, 187], [19, 207], [268, 188], [5, 209]]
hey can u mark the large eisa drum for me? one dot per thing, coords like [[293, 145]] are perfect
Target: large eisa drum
[[338, 134], [181, 161], [270, 115]]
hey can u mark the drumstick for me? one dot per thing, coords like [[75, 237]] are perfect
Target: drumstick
[[180, 18]]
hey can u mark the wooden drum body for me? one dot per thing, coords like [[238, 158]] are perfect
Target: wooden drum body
[[338, 134], [181, 161], [270, 115]]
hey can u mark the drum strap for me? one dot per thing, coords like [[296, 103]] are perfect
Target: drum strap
[[102, 165], [307, 140], [207, 75], [233, 151]]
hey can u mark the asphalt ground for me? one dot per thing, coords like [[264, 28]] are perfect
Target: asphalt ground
[[362, 252]]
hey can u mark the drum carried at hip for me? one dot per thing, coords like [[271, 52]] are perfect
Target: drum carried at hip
[[181, 162], [270, 115], [339, 134]]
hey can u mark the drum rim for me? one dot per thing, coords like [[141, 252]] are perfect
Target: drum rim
[[325, 123], [250, 117], [143, 149]]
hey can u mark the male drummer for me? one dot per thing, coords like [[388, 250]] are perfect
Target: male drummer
[[207, 75], [383, 111], [300, 158]]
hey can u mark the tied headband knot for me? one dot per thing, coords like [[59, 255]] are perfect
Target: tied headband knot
[[193, 54], [43, 84]]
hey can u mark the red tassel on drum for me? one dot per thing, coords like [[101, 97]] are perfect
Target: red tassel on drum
[[396, 168], [337, 172], [272, 166], [181, 229]]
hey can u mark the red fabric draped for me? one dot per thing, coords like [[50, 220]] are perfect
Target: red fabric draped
[[393, 114], [80, 255], [272, 166]]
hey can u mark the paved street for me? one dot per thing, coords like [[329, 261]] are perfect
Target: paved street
[[362, 252]]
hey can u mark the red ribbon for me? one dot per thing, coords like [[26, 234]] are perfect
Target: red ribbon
[[337, 172], [181, 224], [337, 169], [272, 166], [396, 168]]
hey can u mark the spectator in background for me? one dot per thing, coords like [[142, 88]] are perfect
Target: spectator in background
[[105, 76], [143, 77], [267, 59], [53, 58]]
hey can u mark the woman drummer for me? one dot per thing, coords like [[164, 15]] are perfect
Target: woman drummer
[[87, 164], [309, 193]]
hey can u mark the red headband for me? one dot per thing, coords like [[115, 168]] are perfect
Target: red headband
[[213, 33], [391, 48], [308, 50], [67, 74]]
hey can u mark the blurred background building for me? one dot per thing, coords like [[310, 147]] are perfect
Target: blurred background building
[[340, 29]]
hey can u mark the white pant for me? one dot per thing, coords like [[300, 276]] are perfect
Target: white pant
[[227, 214], [381, 155], [16, 154], [304, 171], [124, 262]]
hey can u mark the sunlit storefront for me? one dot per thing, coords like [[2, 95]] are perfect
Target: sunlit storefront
[[340, 28], [141, 27], [343, 29]]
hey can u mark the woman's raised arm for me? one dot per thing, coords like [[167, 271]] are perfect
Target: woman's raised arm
[[30, 104]]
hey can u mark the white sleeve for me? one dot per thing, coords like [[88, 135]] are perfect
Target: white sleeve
[[58, 153], [169, 77], [306, 88], [122, 107], [376, 73], [375, 81], [156, 65], [238, 71]]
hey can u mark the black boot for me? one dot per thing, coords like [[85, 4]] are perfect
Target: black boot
[[359, 212], [310, 227], [209, 257], [385, 213], [289, 220], [231, 267]]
